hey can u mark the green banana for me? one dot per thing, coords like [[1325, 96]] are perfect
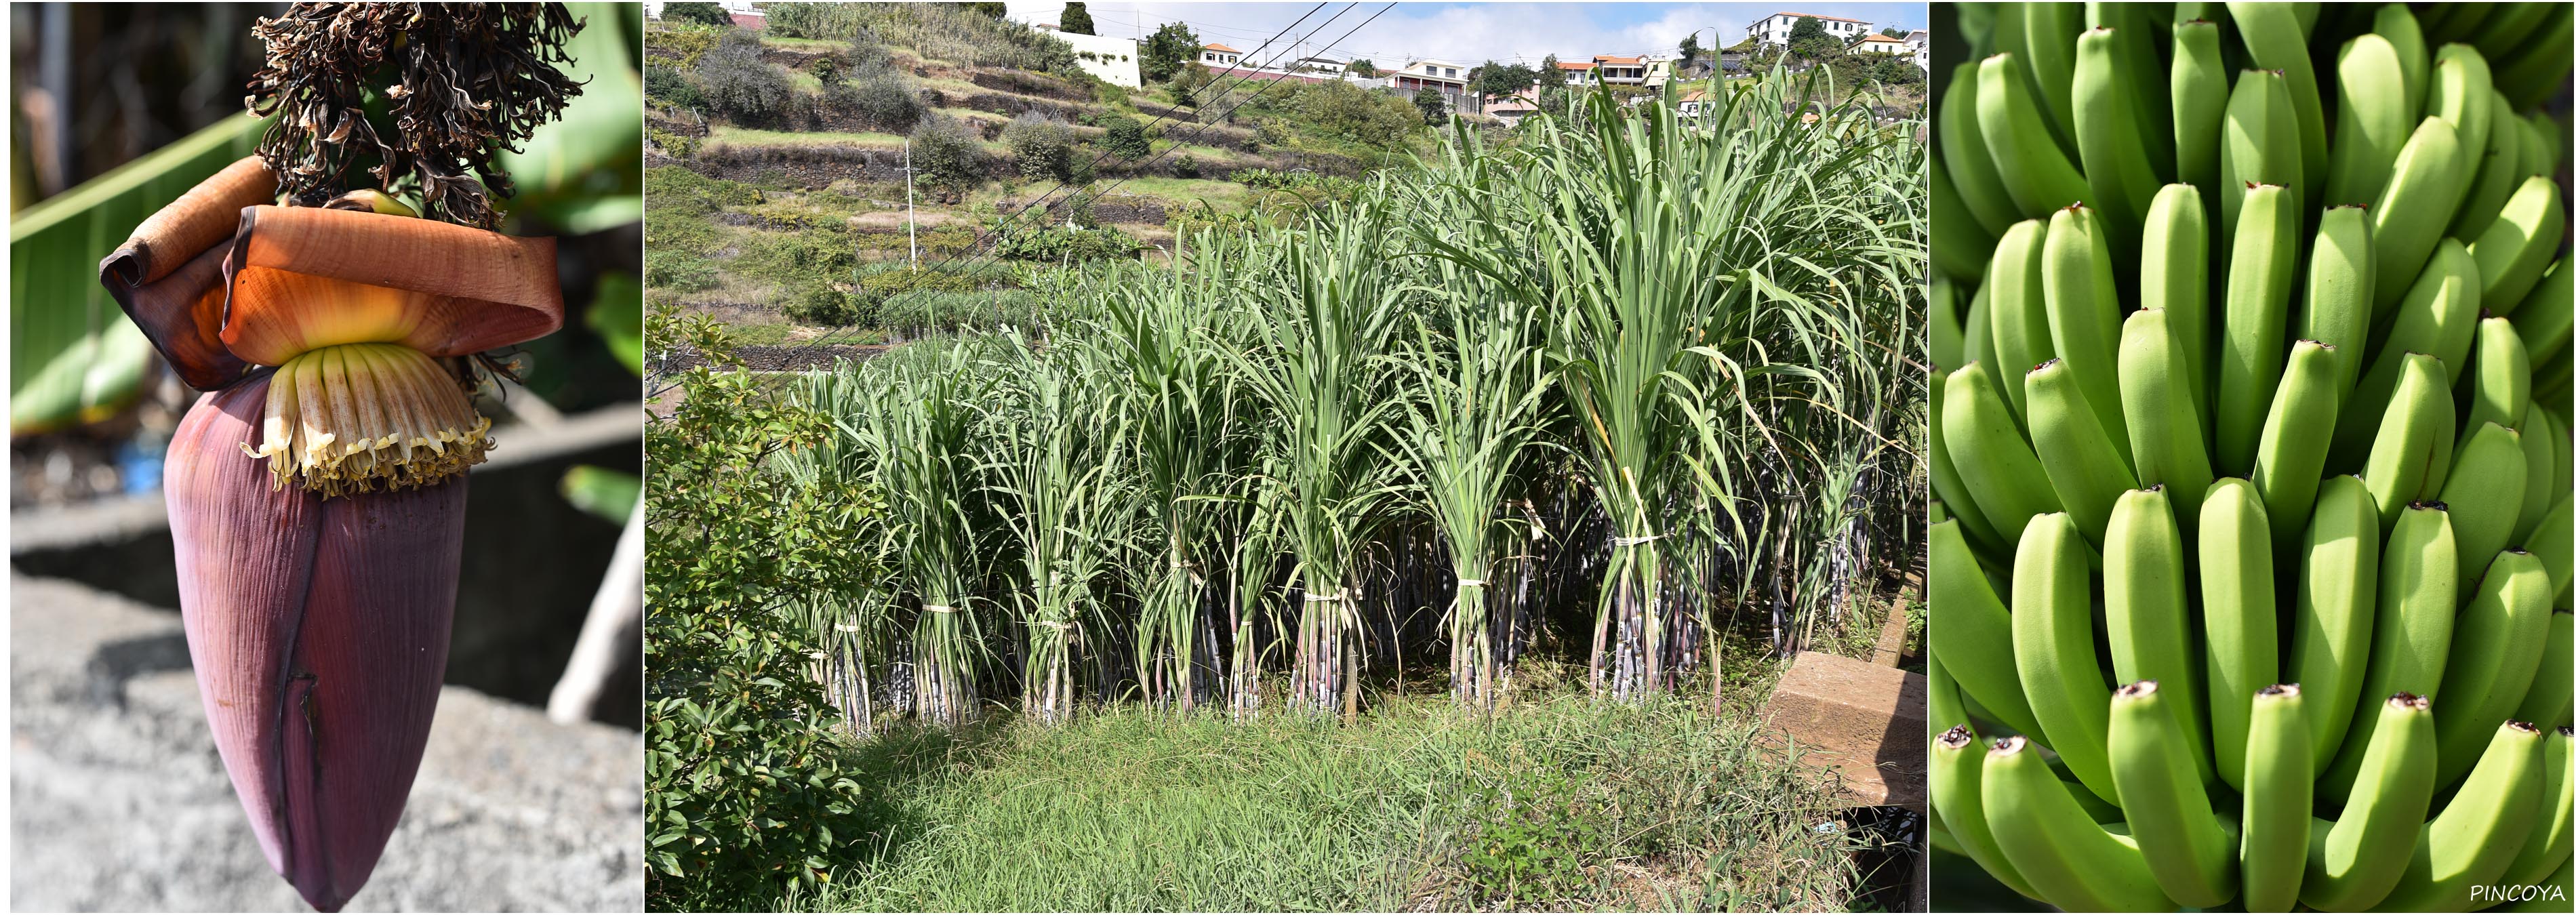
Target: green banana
[[2338, 607], [1957, 240], [1993, 461], [2155, 400], [2291, 459], [1946, 482], [2057, 849], [2550, 541], [2357, 860], [2339, 296], [2278, 784], [2147, 612], [2463, 94], [2537, 460], [2274, 38], [2190, 852], [2551, 839], [2411, 457], [2500, 171], [2540, 68], [2052, 623], [2258, 144], [1943, 706], [2048, 38], [2547, 312], [1958, 768], [2393, 23], [2500, 384], [2485, 496], [2173, 278], [1941, 313], [2250, 347], [2072, 444], [2200, 92], [2108, 135], [1963, 148], [2241, 624], [1977, 332], [1975, 635], [2493, 655], [2135, 26], [2438, 318], [2084, 315], [2478, 833], [2547, 702], [2521, 242], [2034, 170], [2407, 220], [2505, 27], [2418, 601], [2375, 115], [2018, 309]]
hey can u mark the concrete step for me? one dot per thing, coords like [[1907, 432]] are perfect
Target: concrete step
[[1861, 720]]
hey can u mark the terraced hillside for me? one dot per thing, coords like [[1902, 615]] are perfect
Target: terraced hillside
[[776, 172]]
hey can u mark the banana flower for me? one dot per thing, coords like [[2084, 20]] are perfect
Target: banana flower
[[317, 488]]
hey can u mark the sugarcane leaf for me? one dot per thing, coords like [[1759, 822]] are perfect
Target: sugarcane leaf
[[617, 316], [606, 493], [74, 357]]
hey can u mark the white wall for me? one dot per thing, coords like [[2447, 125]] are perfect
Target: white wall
[[1113, 59]]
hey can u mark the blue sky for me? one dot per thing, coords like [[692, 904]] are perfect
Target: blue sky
[[1465, 32]]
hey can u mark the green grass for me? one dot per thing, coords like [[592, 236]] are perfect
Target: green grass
[[1134, 809], [747, 136], [804, 44]]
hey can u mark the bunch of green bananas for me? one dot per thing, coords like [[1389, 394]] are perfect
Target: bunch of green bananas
[[2257, 407]]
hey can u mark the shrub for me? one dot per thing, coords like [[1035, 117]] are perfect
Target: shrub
[[819, 305], [944, 154], [1126, 138], [1185, 85], [1187, 166], [1082, 167], [882, 96], [1060, 244], [699, 13], [1540, 847], [1042, 144], [678, 272], [671, 87], [675, 144], [687, 43], [1434, 107], [826, 69], [739, 84], [940, 31], [1349, 113]]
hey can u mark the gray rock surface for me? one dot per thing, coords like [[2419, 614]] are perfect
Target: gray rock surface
[[119, 803]]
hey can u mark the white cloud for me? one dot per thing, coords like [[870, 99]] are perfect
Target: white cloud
[[1468, 33]]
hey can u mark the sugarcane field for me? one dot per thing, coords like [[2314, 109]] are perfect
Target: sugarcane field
[[1455, 507]]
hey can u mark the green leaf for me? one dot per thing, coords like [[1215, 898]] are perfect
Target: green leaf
[[74, 358], [603, 492], [617, 316], [584, 172]]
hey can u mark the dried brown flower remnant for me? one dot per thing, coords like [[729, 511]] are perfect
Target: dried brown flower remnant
[[452, 84]]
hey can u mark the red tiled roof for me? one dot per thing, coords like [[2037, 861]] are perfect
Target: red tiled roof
[[1219, 47], [1615, 60], [1882, 39], [1814, 16], [1574, 65]]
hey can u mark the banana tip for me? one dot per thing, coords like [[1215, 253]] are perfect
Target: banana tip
[[2136, 690]]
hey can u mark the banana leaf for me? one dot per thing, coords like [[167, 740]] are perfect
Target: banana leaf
[[74, 358], [584, 173]]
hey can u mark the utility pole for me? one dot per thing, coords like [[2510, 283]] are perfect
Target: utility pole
[[911, 230]]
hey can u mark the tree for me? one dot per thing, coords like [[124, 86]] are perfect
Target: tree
[[700, 13], [1805, 28], [994, 10], [1166, 51], [1126, 138], [1434, 108], [1809, 39], [739, 84], [1690, 47], [1499, 79], [1550, 76], [1892, 32], [1363, 68], [1076, 19]]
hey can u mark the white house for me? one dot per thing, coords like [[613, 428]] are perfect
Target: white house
[[1695, 103], [1217, 55], [1881, 44], [1921, 42], [1774, 29], [1620, 71], [1447, 77], [1659, 69], [1330, 65], [1111, 59], [1579, 72]]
